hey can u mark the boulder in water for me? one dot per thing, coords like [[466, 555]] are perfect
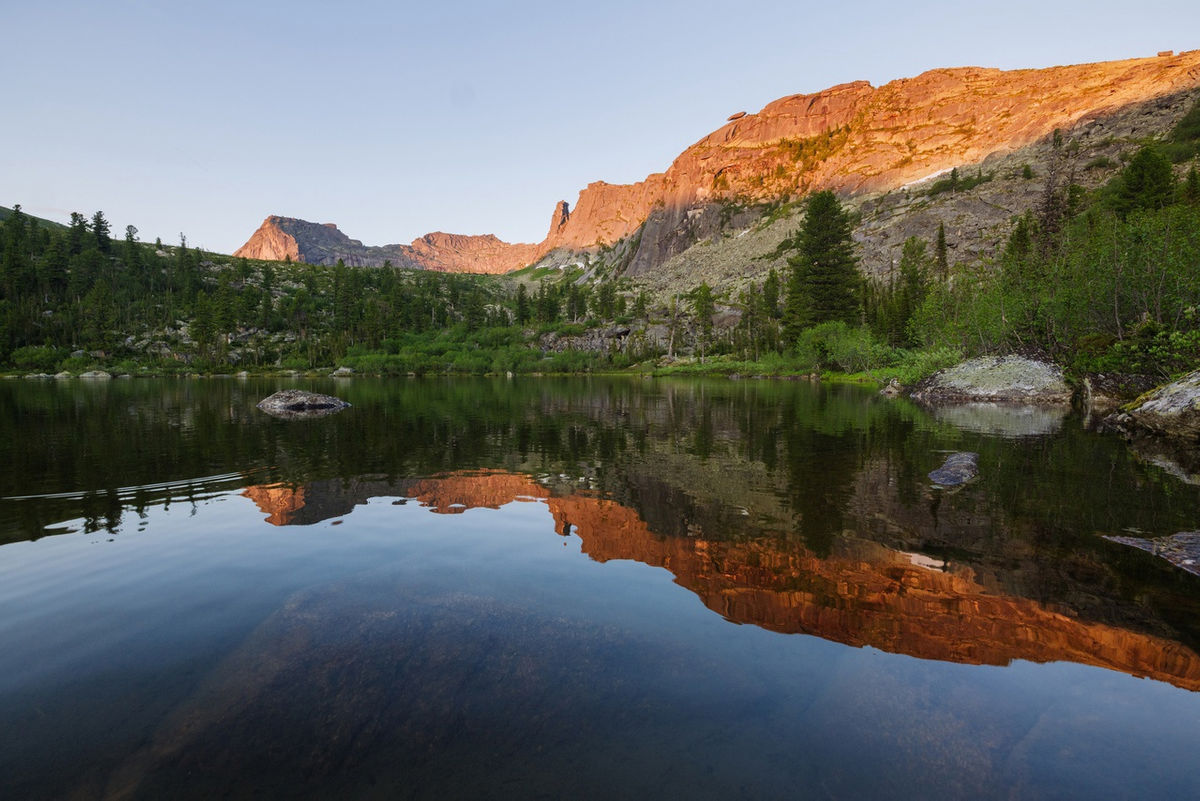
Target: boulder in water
[[295, 404], [958, 469]]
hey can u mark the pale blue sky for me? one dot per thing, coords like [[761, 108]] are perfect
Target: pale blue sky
[[395, 119]]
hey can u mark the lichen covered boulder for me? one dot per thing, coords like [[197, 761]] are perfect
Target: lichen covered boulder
[[1001, 379], [1172, 410], [295, 404]]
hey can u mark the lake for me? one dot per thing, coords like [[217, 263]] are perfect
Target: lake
[[582, 588]]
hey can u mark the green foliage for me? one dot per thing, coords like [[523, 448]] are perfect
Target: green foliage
[[956, 183], [36, 357], [890, 306], [1120, 293], [1146, 183], [1190, 192], [835, 345], [814, 149], [703, 308], [1184, 141]]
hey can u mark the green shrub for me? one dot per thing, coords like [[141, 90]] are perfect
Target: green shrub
[[35, 357], [837, 346]]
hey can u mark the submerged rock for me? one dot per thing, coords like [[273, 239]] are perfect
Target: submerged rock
[[1005, 379], [293, 404], [1172, 410], [1181, 550], [958, 469]]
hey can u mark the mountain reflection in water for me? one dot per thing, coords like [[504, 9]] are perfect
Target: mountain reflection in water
[[862, 593]]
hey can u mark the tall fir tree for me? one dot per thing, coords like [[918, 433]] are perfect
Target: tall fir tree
[[1191, 187], [941, 257], [825, 284], [101, 232]]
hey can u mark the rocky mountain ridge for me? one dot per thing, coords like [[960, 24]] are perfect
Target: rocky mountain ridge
[[283, 238], [853, 138]]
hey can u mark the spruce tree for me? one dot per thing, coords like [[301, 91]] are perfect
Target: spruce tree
[[522, 305], [1191, 187], [941, 258], [1146, 182], [102, 232], [703, 308], [824, 284]]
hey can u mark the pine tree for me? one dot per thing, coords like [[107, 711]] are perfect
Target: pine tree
[[910, 293], [770, 294], [1191, 187], [522, 305], [825, 284], [101, 232], [703, 308], [941, 257], [1146, 182], [76, 233], [132, 254], [641, 305]]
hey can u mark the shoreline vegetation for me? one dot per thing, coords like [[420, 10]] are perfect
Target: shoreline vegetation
[[1099, 282]]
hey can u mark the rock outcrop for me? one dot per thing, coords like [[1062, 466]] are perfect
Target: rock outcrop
[[1172, 410], [287, 238], [1006, 379]]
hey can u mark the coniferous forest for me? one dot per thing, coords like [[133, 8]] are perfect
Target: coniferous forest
[[1101, 280]]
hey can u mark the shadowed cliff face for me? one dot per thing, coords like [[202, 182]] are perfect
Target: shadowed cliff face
[[862, 593], [853, 138]]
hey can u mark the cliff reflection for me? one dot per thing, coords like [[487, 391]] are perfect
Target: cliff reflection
[[858, 592]]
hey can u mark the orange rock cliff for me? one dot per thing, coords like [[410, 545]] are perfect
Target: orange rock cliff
[[852, 138]]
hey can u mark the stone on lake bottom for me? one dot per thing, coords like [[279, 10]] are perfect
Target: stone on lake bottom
[[958, 469]]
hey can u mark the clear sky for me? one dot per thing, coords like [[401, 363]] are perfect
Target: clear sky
[[393, 119]]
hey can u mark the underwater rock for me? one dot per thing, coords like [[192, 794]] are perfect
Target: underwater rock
[[958, 469]]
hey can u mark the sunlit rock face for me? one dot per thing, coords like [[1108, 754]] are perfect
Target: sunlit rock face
[[859, 138], [852, 138], [861, 593]]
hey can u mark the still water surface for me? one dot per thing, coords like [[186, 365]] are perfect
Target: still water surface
[[581, 588]]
